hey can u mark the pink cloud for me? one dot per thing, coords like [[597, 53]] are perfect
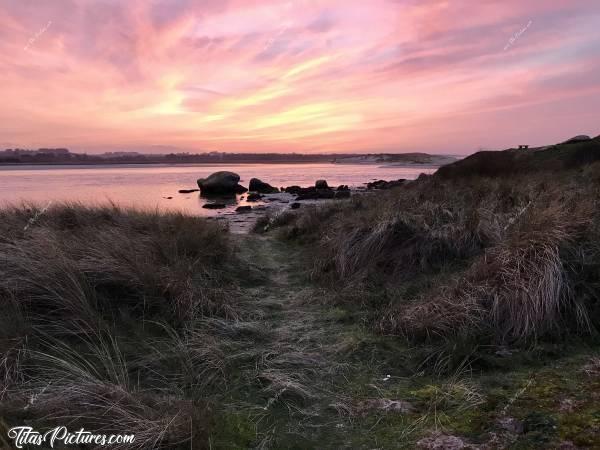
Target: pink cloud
[[298, 75]]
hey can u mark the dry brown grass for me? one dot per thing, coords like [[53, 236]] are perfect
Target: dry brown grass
[[511, 259], [104, 320]]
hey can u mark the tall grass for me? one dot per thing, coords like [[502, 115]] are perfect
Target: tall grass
[[102, 312], [494, 260]]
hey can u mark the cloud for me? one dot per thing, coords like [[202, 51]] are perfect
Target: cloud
[[301, 75]]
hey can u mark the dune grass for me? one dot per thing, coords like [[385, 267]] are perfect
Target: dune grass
[[106, 320], [501, 261]]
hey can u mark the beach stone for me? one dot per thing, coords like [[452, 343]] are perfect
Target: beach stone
[[293, 189], [223, 182], [214, 205], [442, 442], [382, 184], [243, 209], [257, 185], [576, 139], [321, 184]]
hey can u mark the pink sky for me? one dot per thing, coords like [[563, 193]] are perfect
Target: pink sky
[[298, 75]]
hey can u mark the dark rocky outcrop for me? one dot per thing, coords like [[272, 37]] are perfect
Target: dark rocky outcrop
[[188, 191], [295, 205], [257, 185], [342, 194], [221, 183], [243, 209], [293, 189], [321, 184], [312, 193], [382, 184], [343, 187], [214, 205]]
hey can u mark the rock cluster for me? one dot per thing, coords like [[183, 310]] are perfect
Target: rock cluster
[[227, 183], [382, 184]]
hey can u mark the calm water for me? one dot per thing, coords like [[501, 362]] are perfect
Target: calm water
[[147, 186]]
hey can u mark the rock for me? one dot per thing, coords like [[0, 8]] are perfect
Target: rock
[[214, 205], [312, 193], [254, 197], [577, 139], [221, 183], [510, 424], [295, 205], [342, 194], [167, 198], [343, 187], [442, 442], [257, 185], [321, 184], [188, 191], [382, 184], [243, 209], [293, 189]]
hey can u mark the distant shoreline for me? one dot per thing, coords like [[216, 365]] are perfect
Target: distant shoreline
[[205, 164]]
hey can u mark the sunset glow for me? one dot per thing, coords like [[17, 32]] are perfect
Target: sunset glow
[[298, 75]]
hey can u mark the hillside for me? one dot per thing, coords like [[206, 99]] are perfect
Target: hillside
[[512, 161]]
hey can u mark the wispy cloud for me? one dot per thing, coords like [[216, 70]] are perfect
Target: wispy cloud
[[301, 75]]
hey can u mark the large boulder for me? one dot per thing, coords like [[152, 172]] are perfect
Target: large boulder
[[257, 185], [321, 184], [577, 139], [220, 183]]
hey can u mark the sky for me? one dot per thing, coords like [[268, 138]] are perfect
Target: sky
[[307, 76]]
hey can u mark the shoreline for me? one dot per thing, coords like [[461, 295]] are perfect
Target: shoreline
[[211, 164]]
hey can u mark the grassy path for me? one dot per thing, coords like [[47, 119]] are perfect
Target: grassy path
[[317, 380], [300, 373]]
